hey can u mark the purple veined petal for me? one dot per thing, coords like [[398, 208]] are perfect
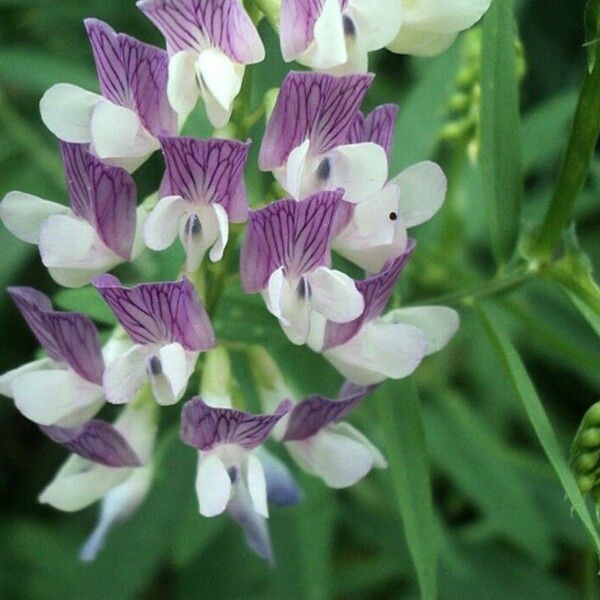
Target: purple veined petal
[[207, 171], [103, 195], [377, 127], [111, 71], [134, 75], [159, 313], [311, 106], [291, 234], [204, 427], [297, 26], [97, 441], [317, 412], [191, 23], [147, 74], [66, 337], [376, 291]]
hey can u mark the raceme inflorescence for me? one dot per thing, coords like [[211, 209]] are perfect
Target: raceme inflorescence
[[329, 160]]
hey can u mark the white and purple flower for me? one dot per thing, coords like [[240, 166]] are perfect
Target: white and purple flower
[[64, 389], [306, 140], [112, 463], [429, 26], [203, 189], [230, 473], [377, 231], [122, 124], [286, 256], [169, 328], [373, 347], [209, 43], [95, 234], [337, 35]]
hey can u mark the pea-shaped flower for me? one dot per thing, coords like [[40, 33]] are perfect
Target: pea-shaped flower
[[286, 256], [337, 35], [95, 234], [305, 143], [169, 327], [209, 43], [122, 123], [203, 189]]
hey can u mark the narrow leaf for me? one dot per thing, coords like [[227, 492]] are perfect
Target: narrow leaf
[[525, 391], [592, 32], [404, 436], [500, 129]]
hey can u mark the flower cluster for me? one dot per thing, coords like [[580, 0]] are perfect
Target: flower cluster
[[332, 162]]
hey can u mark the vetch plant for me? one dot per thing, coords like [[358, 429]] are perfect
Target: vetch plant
[[327, 247]]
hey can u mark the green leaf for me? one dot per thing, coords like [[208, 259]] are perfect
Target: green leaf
[[592, 32], [526, 393], [88, 301], [500, 129], [400, 413]]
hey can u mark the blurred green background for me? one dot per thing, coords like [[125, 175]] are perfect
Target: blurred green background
[[506, 528]]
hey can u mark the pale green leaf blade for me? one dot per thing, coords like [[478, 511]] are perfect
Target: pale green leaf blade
[[500, 129], [527, 394], [400, 414]]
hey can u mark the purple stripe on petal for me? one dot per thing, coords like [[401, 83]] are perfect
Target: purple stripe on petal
[[192, 23], [205, 427], [378, 127], [376, 291], [311, 106], [291, 234], [317, 412], [159, 313], [207, 171], [297, 25], [97, 441], [66, 337], [77, 172], [109, 64], [147, 70]]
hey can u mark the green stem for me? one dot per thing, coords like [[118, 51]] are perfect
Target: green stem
[[271, 9], [580, 151], [26, 137]]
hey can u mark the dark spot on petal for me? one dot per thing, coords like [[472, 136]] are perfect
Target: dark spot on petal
[[155, 366], [233, 474], [193, 226], [324, 169], [303, 290], [393, 216], [349, 27]]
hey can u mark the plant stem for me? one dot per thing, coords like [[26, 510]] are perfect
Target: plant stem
[[579, 154], [270, 8]]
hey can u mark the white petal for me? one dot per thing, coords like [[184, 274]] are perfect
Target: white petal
[[444, 17], [169, 385], [213, 485], [295, 170], [422, 192], [163, 223], [377, 23], [182, 88], [125, 375], [417, 42], [334, 457], [117, 505], [335, 296], [296, 312], [379, 351], [438, 323], [222, 221], [6, 379], [23, 214], [76, 278], [117, 132], [138, 424], [50, 396], [329, 46], [66, 111], [273, 293], [357, 59], [80, 483], [361, 169], [257, 485], [351, 432]]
